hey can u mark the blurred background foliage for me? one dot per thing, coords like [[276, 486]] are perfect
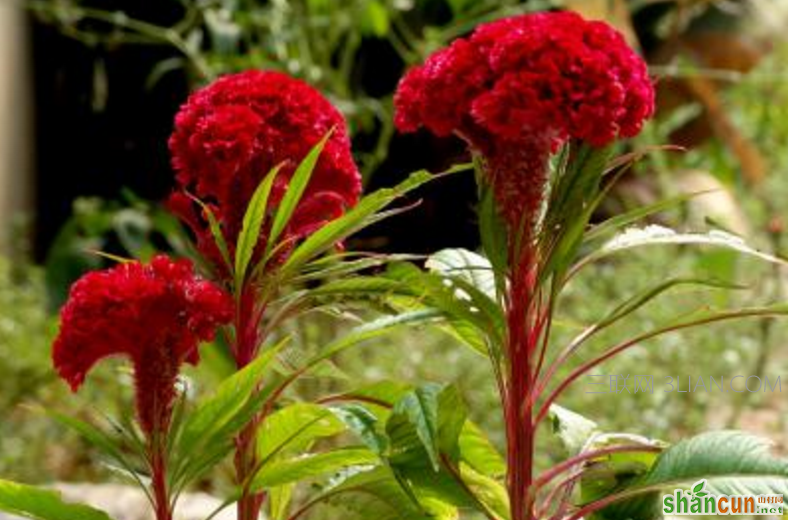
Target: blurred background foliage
[[723, 96]]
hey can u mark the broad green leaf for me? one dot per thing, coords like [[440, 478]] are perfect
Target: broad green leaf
[[252, 225], [417, 409], [465, 265], [490, 493], [295, 428], [287, 471], [478, 452], [295, 190], [452, 416], [364, 424], [572, 429], [42, 504], [732, 462], [376, 493]]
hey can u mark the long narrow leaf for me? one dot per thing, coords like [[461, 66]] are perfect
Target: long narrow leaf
[[357, 218], [252, 225], [295, 190]]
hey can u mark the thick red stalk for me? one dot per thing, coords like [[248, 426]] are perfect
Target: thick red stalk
[[524, 333], [158, 467], [247, 342]]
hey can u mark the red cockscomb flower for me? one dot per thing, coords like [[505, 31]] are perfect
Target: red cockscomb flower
[[231, 133], [518, 88], [155, 314]]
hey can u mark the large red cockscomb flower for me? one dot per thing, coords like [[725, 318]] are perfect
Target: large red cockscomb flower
[[230, 134], [520, 87], [155, 314]]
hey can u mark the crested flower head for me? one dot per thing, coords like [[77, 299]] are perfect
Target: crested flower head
[[230, 134], [529, 82], [154, 314]]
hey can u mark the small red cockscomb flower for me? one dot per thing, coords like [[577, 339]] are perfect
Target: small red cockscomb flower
[[230, 134], [518, 88], [155, 314]]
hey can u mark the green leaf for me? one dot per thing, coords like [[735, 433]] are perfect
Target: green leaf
[[374, 329], [362, 215], [659, 235], [731, 462], [252, 226], [493, 234], [464, 265], [41, 504], [452, 416], [572, 429], [698, 487], [295, 428], [376, 493], [384, 393], [287, 471], [295, 190], [206, 435], [279, 499], [231, 395], [479, 453], [571, 205], [216, 231], [417, 409], [489, 492], [110, 446], [622, 220], [364, 424], [643, 297]]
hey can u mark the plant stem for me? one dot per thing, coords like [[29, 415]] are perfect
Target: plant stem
[[247, 341], [754, 312], [524, 333], [158, 467]]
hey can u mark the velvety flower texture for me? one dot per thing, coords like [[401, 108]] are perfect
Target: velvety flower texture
[[519, 87], [154, 314], [230, 134]]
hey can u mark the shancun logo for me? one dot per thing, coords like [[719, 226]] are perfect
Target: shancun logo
[[701, 502]]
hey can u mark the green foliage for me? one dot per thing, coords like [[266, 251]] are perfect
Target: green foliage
[[732, 463], [40, 504]]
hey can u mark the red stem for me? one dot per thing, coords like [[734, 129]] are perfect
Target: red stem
[[158, 467], [565, 486], [247, 342], [524, 331], [586, 367], [556, 470]]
